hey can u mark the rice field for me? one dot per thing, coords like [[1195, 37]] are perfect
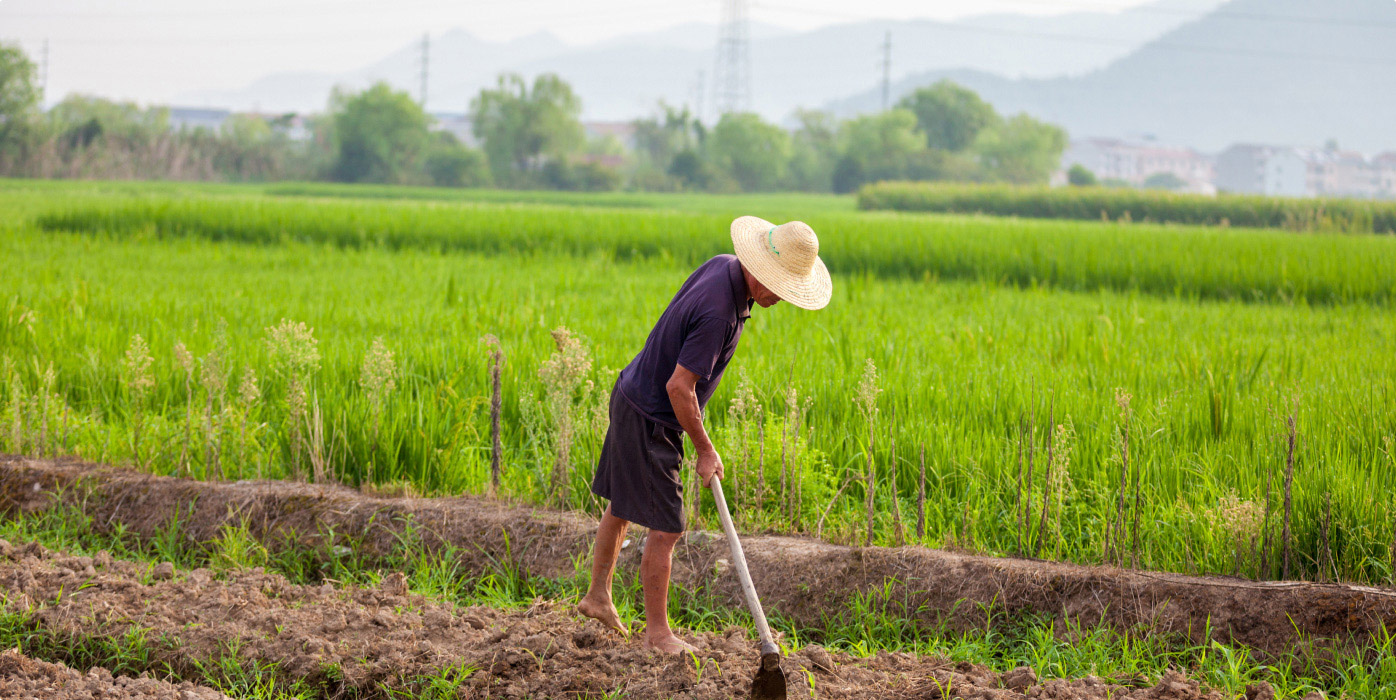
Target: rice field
[[1081, 391]]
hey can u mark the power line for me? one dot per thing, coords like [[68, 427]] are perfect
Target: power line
[[1183, 48], [43, 73], [886, 70], [426, 54]]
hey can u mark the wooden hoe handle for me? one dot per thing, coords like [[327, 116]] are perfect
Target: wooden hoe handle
[[768, 644]]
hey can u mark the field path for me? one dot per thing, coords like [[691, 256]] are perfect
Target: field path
[[801, 579], [369, 643]]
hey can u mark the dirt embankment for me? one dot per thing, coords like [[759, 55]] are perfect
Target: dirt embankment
[[382, 642], [23, 678], [801, 579]]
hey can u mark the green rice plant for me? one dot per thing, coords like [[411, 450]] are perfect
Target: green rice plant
[[1170, 261], [378, 379], [1104, 203]]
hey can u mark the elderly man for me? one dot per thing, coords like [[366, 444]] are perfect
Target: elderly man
[[663, 391]]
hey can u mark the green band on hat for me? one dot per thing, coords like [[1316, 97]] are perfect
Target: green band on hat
[[771, 243]]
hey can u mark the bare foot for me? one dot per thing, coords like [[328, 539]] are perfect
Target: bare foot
[[667, 643], [603, 612]]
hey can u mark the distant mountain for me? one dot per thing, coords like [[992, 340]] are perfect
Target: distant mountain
[[623, 78], [1275, 71]]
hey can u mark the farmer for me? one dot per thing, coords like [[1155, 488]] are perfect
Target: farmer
[[663, 391]]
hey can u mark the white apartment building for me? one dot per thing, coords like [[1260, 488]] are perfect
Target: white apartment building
[[1302, 172], [1121, 160]]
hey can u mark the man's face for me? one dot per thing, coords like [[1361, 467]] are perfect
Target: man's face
[[764, 297]]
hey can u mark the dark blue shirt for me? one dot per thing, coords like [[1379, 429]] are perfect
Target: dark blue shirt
[[698, 330]]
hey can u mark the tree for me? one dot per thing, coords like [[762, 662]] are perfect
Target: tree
[[950, 116], [381, 135], [1080, 176], [751, 150], [814, 151], [523, 127], [451, 164], [877, 147], [19, 99], [1021, 150], [1164, 181]]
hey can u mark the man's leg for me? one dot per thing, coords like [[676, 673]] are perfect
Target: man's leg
[[597, 602], [654, 575]]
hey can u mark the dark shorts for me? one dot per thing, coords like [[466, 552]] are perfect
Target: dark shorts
[[638, 471]]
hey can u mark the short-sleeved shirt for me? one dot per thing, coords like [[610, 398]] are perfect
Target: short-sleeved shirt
[[699, 330]]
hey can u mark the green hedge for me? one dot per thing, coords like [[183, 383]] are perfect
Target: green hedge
[[1099, 203]]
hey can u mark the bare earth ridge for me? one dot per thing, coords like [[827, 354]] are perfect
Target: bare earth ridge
[[802, 579], [370, 642]]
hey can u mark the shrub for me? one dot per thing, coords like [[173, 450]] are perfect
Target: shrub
[[1096, 203]]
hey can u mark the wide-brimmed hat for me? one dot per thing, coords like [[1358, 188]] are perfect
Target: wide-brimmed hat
[[785, 258]]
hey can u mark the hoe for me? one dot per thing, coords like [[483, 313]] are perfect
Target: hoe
[[769, 683]]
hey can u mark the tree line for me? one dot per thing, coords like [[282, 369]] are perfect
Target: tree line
[[529, 135]]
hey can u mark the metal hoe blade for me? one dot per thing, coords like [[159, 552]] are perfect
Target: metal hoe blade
[[769, 683]]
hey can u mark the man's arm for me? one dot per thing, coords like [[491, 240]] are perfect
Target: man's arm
[[684, 396]]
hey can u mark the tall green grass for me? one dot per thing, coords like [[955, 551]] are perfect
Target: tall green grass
[[962, 365], [1192, 263], [1115, 204]]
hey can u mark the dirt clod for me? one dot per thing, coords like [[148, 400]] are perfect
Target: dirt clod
[[349, 639], [1260, 691], [1020, 678], [24, 678], [163, 571]]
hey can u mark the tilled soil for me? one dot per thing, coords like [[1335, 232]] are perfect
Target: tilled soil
[[804, 580], [369, 642], [23, 678]]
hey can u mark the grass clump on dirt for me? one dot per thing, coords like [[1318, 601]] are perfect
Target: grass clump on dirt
[[1052, 648]]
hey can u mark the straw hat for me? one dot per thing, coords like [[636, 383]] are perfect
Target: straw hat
[[785, 258]]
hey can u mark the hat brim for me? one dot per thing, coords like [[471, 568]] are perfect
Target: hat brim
[[811, 291]]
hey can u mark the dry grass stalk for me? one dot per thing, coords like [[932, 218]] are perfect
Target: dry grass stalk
[[292, 346], [321, 461], [1116, 533], [214, 378], [921, 496], [1047, 481], [1030, 438], [1263, 569], [378, 377], [16, 391], [138, 380], [1326, 570], [248, 394], [819, 525], [897, 497], [564, 378], [1391, 456], [1292, 422], [866, 399], [743, 409], [186, 362], [46, 382], [496, 352]]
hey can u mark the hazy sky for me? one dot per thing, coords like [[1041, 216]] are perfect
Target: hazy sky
[[154, 50]]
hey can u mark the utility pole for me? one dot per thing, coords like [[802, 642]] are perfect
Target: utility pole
[[426, 52], [732, 77], [886, 70], [698, 97], [43, 74]]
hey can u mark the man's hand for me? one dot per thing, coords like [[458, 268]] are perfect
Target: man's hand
[[709, 465]]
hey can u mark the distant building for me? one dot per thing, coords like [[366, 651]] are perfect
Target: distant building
[[458, 124], [624, 132], [182, 118], [1113, 159], [1305, 172]]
